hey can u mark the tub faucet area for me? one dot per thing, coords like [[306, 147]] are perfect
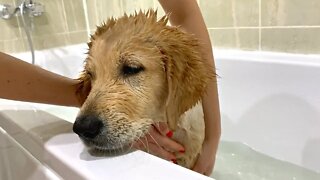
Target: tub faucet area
[[27, 9]]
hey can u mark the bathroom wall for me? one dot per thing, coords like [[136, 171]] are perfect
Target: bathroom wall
[[271, 25], [62, 24], [268, 25]]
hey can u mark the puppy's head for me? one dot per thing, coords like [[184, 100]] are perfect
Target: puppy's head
[[138, 71]]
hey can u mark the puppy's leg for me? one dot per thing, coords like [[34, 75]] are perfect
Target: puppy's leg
[[190, 133]]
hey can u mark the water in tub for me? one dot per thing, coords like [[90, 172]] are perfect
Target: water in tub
[[237, 161]]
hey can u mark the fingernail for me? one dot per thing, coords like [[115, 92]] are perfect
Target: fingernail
[[174, 161], [182, 151], [169, 134]]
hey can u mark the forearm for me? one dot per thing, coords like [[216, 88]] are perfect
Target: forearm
[[25, 82], [188, 16]]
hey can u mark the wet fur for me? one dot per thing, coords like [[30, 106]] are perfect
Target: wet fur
[[169, 88]]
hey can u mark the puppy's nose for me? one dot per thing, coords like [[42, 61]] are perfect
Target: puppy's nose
[[87, 126]]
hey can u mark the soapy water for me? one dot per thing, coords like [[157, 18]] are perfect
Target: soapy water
[[237, 161]]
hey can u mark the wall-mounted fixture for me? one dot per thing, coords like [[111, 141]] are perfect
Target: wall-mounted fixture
[[27, 9]]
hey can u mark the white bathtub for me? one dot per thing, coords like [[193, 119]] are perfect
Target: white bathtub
[[270, 107]]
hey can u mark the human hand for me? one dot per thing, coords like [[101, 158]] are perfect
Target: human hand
[[205, 162], [158, 142]]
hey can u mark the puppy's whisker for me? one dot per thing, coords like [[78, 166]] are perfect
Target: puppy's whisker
[[121, 148], [154, 140], [157, 125], [142, 143], [147, 144], [130, 147]]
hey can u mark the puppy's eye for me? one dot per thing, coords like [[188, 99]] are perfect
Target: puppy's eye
[[129, 70]]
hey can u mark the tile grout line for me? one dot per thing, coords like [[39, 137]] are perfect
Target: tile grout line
[[65, 16], [85, 9], [97, 18], [235, 24], [59, 34], [121, 7], [259, 25]]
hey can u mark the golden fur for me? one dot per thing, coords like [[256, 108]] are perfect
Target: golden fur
[[171, 79]]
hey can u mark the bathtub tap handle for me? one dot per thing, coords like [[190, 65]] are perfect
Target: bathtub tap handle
[[7, 11], [35, 9]]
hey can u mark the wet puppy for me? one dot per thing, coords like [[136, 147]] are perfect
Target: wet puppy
[[138, 71]]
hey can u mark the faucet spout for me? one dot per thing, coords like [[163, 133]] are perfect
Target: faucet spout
[[33, 9]]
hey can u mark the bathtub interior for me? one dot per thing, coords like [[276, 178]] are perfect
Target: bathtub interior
[[272, 106], [269, 106]]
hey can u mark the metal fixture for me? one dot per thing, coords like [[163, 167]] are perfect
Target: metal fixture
[[27, 9]]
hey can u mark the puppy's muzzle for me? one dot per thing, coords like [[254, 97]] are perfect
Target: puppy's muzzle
[[87, 127]]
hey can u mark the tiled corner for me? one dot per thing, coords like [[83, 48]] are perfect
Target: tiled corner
[[130, 6], [290, 12], [246, 39], [230, 13], [293, 40], [75, 15]]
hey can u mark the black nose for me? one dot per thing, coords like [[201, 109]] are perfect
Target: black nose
[[87, 126]]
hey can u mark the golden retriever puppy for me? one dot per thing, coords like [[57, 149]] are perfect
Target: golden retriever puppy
[[139, 71]]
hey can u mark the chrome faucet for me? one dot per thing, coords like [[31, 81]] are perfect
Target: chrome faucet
[[28, 7]]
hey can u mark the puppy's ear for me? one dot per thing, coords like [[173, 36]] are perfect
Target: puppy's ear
[[187, 72], [83, 87]]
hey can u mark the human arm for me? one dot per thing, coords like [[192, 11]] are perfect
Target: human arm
[[26, 82], [187, 15]]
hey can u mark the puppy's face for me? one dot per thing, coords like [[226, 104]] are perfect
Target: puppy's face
[[128, 91]]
